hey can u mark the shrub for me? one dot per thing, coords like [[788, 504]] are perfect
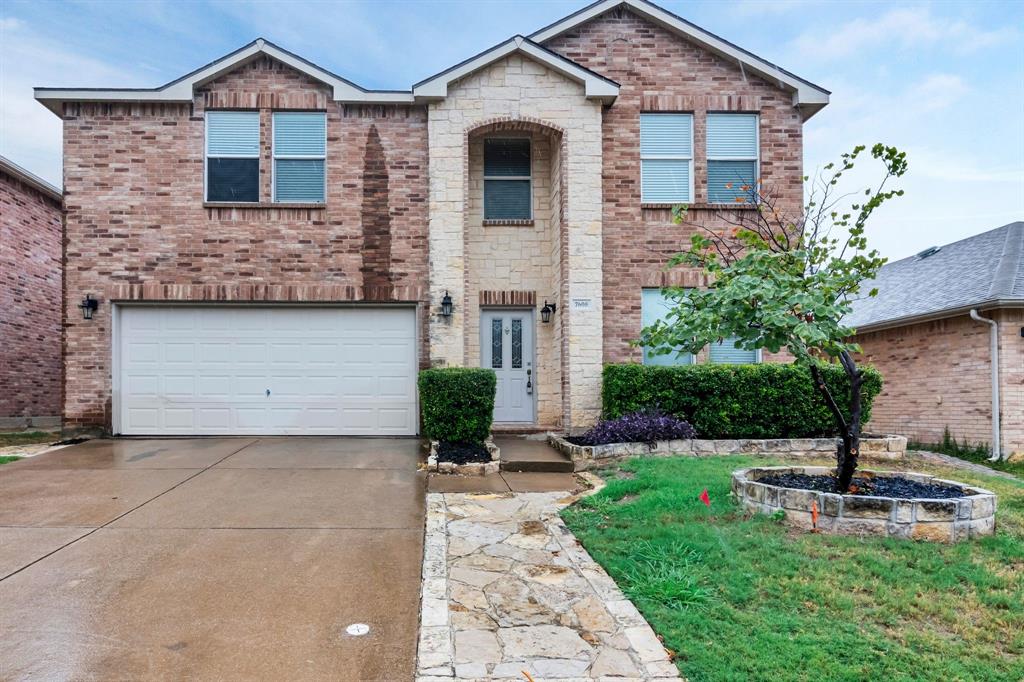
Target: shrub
[[457, 403], [645, 426], [735, 401]]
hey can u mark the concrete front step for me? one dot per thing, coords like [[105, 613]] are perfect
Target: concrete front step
[[528, 455]]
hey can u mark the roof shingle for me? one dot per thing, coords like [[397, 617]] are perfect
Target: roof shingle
[[983, 269]]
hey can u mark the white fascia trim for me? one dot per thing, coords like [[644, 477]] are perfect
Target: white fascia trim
[[805, 95], [181, 90], [594, 86]]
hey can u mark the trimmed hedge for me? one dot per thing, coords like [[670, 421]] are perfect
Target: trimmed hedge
[[736, 401], [457, 403]]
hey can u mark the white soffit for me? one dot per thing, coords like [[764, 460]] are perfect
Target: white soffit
[[595, 85], [181, 90], [806, 95]]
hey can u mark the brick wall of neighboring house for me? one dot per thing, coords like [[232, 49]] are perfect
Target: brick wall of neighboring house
[[937, 376], [659, 71], [30, 294], [137, 227]]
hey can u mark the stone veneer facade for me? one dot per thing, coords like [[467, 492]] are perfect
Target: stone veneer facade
[[937, 375], [30, 295], [402, 218], [517, 95]]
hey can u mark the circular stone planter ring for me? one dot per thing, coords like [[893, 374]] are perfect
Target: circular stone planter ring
[[940, 520]]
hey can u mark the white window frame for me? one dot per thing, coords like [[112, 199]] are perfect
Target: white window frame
[[486, 177], [274, 156], [757, 148], [666, 157], [206, 156]]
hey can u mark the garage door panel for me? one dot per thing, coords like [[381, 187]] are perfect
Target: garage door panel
[[204, 370]]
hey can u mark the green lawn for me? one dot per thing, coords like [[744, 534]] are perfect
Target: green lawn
[[740, 598], [27, 438], [4, 459]]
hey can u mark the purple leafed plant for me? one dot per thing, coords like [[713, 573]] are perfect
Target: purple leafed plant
[[646, 426]]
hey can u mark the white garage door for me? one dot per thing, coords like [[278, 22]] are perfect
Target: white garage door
[[275, 370]]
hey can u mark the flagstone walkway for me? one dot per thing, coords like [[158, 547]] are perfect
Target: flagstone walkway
[[509, 594]]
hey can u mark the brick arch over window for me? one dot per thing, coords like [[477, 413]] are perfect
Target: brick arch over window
[[558, 142]]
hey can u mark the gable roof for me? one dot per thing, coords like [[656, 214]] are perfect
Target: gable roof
[[982, 271], [31, 179], [806, 95], [809, 97], [595, 85], [181, 90]]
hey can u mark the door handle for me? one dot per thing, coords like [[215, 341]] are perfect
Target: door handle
[[529, 381]]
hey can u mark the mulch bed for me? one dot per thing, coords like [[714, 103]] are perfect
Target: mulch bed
[[462, 453], [888, 486]]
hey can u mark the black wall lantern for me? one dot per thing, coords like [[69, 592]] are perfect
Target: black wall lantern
[[545, 312], [446, 305], [89, 305]]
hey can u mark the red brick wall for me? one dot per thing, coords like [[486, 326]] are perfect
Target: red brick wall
[[659, 71], [937, 375], [137, 227], [30, 293]]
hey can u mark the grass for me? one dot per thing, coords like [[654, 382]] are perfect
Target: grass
[[978, 454], [4, 459], [27, 438], [746, 598]]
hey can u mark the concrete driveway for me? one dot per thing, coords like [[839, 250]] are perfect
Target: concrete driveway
[[222, 558]]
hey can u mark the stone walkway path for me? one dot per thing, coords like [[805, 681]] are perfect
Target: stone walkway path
[[509, 594]]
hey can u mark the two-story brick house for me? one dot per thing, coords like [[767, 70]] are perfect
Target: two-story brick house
[[274, 249], [30, 299]]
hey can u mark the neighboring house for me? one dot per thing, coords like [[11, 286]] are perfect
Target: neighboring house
[[277, 250], [935, 358], [30, 296]]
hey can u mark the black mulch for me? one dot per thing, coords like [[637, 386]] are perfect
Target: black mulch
[[462, 453], [888, 486]]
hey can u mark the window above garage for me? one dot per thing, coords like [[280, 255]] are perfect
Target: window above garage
[[233, 156]]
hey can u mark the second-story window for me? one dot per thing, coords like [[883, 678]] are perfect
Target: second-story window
[[732, 158], [666, 158], [300, 152], [507, 179], [233, 156]]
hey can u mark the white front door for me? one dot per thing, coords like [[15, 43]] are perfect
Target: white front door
[[205, 370], [506, 346]]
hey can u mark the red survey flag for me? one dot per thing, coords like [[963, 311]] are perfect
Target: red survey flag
[[705, 498]]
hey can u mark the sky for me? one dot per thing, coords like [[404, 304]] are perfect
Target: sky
[[943, 81]]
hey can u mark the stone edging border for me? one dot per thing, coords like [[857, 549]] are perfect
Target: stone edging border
[[592, 456], [938, 520], [435, 655], [471, 469]]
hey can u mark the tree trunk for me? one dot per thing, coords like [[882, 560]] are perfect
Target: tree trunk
[[849, 429]]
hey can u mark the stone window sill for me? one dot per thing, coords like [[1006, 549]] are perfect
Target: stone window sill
[[516, 223], [259, 205], [705, 207]]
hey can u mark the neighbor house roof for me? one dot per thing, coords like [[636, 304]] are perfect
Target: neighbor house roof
[[30, 179], [806, 95], [983, 271]]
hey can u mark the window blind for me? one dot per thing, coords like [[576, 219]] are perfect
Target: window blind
[[655, 306], [732, 157], [666, 158]]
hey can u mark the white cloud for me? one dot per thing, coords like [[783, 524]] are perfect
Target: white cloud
[[906, 27], [29, 134]]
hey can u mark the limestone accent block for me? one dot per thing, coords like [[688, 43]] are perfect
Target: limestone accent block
[[587, 457], [950, 520]]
